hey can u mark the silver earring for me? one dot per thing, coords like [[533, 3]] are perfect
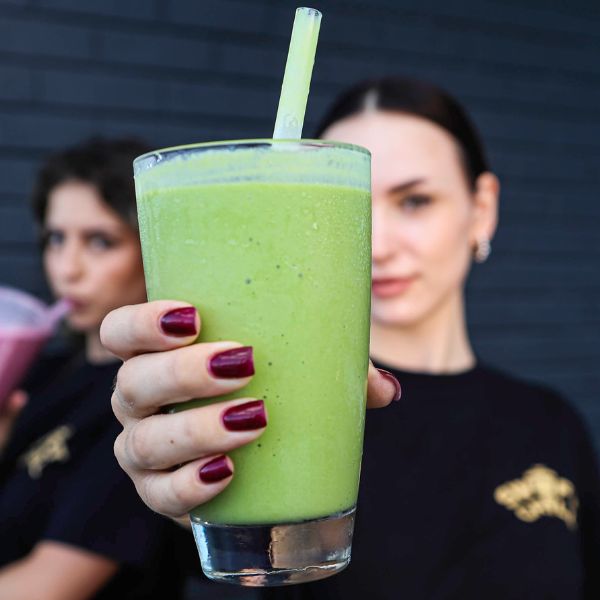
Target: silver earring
[[483, 249]]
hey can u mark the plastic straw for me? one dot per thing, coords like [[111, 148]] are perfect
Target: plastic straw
[[57, 311], [298, 72]]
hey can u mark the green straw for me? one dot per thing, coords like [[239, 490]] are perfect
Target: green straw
[[298, 72]]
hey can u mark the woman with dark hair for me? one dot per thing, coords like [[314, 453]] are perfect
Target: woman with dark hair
[[477, 485], [71, 525]]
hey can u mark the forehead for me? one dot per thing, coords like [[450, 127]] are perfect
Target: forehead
[[402, 146], [79, 204]]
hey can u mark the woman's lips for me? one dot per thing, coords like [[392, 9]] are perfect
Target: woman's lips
[[390, 286], [76, 305]]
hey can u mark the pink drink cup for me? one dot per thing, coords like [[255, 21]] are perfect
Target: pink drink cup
[[25, 325]]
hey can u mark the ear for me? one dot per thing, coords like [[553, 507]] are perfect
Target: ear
[[486, 196]]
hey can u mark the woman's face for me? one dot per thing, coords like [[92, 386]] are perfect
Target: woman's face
[[426, 219], [92, 256]]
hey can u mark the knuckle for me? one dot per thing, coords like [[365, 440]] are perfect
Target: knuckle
[[115, 404], [184, 492], [180, 493], [137, 449], [105, 329], [193, 433], [124, 386], [139, 323], [159, 498], [177, 369], [146, 489], [120, 454]]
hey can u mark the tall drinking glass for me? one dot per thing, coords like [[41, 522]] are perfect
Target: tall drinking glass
[[270, 240]]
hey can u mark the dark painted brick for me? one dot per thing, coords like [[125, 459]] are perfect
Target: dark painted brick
[[40, 130], [513, 15], [21, 272], [16, 225], [17, 173], [164, 50], [222, 14], [253, 58], [15, 83], [221, 100], [47, 39], [546, 276], [108, 91], [136, 9]]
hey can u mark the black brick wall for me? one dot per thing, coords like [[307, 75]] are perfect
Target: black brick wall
[[177, 71]]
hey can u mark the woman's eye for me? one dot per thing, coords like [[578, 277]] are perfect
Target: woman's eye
[[100, 242], [415, 201], [53, 239]]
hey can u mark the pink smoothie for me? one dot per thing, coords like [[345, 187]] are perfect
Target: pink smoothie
[[25, 325], [18, 348]]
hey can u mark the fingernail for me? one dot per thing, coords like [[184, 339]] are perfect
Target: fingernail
[[245, 417], [392, 379], [180, 321], [215, 470], [232, 364]]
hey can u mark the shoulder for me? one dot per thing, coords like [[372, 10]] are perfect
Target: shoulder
[[513, 397], [518, 386], [46, 369]]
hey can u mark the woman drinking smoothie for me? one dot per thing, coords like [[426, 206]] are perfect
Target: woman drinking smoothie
[[71, 525]]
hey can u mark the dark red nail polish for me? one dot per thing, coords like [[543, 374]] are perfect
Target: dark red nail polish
[[215, 470], [245, 417], [181, 321], [393, 380], [232, 364]]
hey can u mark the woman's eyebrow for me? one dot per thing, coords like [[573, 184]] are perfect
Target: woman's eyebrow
[[406, 185], [100, 231]]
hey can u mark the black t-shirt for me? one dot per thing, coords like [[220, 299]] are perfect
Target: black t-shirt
[[474, 486], [60, 481]]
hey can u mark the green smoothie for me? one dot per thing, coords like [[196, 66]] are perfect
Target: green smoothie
[[272, 246]]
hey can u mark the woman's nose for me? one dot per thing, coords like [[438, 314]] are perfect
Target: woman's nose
[[69, 261], [383, 239]]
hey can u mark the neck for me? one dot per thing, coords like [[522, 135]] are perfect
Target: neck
[[437, 344], [95, 352]]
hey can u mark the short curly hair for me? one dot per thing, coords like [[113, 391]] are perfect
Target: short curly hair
[[102, 162]]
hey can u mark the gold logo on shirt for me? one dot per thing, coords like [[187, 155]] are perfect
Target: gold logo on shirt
[[540, 493], [51, 448]]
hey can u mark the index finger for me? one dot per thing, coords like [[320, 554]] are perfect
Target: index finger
[[149, 327]]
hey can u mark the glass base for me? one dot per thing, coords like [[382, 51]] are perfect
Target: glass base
[[270, 555]]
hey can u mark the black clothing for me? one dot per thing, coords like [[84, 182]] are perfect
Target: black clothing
[[59, 480], [474, 486]]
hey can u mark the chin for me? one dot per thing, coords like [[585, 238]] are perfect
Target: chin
[[395, 314], [82, 323]]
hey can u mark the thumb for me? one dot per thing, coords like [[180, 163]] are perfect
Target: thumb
[[382, 388]]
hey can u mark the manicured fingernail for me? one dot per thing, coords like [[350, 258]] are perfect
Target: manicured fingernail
[[394, 381], [232, 364], [245, 417], [180, 321], [215, 470]]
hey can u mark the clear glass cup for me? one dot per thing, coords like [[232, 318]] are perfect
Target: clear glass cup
[[271, 241]]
